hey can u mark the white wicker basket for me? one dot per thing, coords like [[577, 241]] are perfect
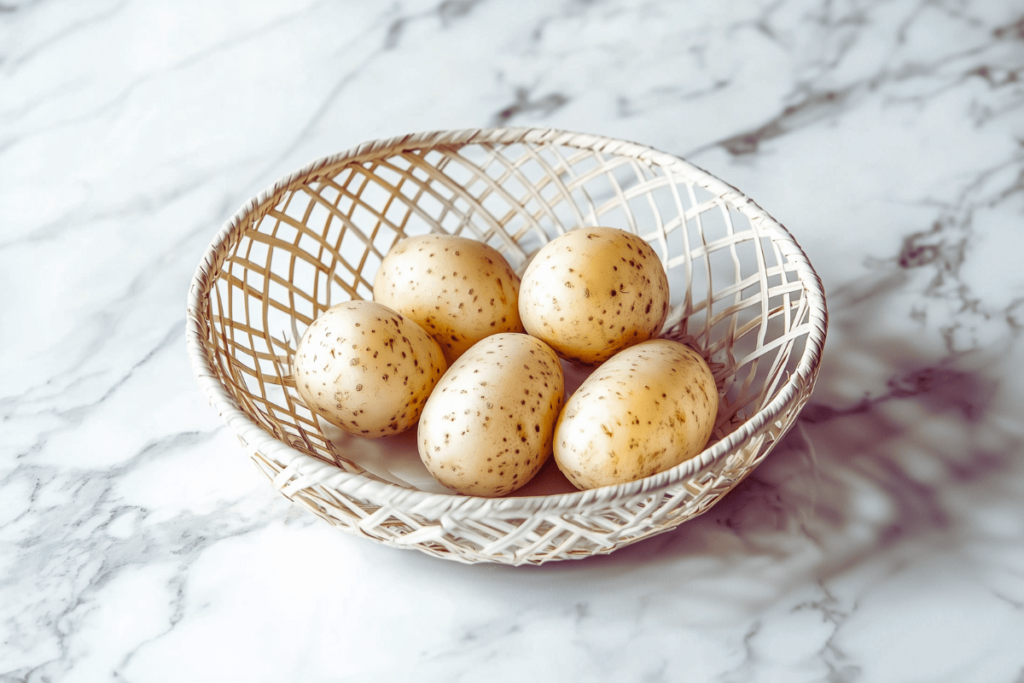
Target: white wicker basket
[[742, 291]]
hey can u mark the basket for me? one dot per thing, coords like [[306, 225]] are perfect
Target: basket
[[743, 293]]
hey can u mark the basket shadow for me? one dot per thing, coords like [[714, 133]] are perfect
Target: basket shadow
[[846, 484]]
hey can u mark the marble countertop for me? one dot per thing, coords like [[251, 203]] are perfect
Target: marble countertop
[[883, 540]]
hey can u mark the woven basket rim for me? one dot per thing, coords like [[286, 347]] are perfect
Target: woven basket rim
[[257, 440]]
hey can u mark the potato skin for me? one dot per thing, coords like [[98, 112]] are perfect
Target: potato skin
[[647, 409], [458, 289], [367, 369], [487, 428], [592, 292]]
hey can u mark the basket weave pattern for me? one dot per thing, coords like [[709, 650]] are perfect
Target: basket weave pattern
[[743, 293]]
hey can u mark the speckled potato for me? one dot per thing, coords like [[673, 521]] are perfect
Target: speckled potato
[[367, 369], [647, 409], [458, 289], [487, 428], [592, 292]]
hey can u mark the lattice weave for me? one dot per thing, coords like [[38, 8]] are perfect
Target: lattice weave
[[742, 290]]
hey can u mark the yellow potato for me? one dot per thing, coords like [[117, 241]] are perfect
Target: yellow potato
[[487, 428], [592, 292], [458, 289], [645, 410], [367, 369]]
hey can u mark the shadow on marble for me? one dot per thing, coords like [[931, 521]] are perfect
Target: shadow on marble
[[907, 464]]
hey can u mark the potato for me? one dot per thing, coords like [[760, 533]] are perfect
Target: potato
[[487, 428], [458, 289], [645, 410], [592, 292], [367, 369]]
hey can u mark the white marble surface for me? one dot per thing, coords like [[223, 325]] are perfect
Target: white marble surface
[[882, 541]]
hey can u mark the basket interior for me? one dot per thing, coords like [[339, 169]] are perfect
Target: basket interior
[[319, 241]]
